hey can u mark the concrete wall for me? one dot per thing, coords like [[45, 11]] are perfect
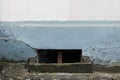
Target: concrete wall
[[13, 49], [97, 39]]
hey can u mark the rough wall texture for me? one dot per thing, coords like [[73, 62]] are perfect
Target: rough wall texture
[[13, 49], [97, 39], [63, 68]]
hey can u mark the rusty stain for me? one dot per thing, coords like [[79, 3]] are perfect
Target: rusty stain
[[59, 56]]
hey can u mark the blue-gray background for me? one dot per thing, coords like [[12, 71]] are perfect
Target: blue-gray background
[[97, 39]]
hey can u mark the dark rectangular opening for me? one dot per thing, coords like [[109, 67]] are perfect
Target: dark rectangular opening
[[71, 56], [59, 55]]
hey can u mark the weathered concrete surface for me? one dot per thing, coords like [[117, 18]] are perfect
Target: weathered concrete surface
[[109, 68], [11, 48], [97, 39], [16, 71], [63, 68], [15, 50]]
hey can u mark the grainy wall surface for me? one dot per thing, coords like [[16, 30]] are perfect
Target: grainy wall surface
[[97, 39]]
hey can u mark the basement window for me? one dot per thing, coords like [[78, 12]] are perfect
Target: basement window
[[59, 56]]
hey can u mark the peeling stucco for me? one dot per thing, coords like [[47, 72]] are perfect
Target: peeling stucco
[[97, 39], [13, 49]]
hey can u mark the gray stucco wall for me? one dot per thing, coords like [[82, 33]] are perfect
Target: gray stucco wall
[[16, 50], [13, 49], [97, 39]]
